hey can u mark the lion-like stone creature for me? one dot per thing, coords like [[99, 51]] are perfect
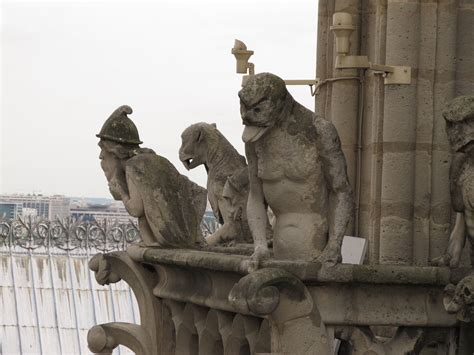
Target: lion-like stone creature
[[296, 165], [459, 116], [227, 182], [169, 206]]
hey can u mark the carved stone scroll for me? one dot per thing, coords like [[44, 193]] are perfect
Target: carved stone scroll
[[143, 338], [295, 323]]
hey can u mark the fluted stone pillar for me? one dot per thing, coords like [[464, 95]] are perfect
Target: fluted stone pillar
[[338, 101], [399, 136], [465, 48], [405, 209]]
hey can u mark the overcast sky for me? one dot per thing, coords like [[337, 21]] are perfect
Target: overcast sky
[[66, 66]]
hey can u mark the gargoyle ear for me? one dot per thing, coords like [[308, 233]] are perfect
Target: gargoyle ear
[[214, 125]]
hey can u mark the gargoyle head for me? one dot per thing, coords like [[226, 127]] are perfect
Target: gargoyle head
[[197, 139], [262, 102], [459, 299], [459, 116]]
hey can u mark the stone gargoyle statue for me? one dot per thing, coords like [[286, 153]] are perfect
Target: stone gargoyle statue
[[296, 165], [459, 299], [169, 206], [459, 116], [227, 182]]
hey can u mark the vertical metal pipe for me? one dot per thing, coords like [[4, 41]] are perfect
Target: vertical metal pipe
[[324, 55], [358, 162], [342, 101], [345, 99], [373, 33]]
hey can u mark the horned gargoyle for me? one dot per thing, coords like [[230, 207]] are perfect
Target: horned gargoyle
[[227, 182], [169, 206]]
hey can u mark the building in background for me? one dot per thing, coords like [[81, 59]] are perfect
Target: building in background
[[89, 211], [29, 212], [50, 207], [209, 224], [10, 210]]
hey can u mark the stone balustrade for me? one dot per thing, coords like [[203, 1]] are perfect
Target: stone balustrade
[[207, 302]]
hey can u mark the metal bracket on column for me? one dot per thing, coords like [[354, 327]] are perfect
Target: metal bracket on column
[[400, 75], [342, 27]]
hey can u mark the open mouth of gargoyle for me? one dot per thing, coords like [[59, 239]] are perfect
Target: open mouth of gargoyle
[[189, 162], [253, 133]]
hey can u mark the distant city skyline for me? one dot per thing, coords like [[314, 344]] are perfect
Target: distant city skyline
[[66, 66]]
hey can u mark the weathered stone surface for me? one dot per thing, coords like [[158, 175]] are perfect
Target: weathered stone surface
[[291, 311], [363, 341], [296, 165], [169, 206], [459, 299], [188, 294], [102, 269], [459, 116], [227, 182], [143, 338]]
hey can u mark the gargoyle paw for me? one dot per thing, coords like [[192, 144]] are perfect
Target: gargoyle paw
[[261, 253], [446, 260], [330, 256]]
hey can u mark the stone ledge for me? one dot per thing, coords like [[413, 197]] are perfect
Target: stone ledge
[[348, 295], [306, 271]]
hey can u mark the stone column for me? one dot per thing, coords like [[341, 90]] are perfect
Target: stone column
[[443, 91], [405, 203], [338, 101], [399, 136], [373, 44], [465, 48]]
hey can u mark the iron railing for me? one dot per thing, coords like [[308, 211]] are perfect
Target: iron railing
[[68, 234]]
